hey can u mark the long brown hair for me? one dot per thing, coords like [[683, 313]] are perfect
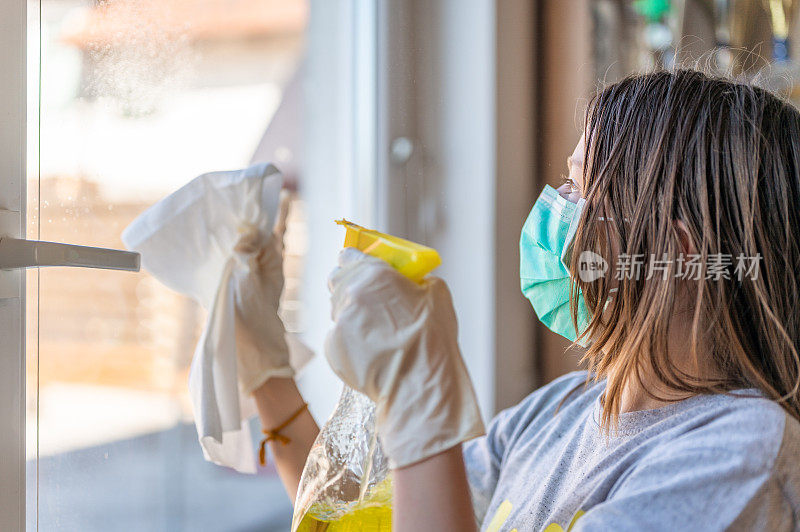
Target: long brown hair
[[722, 159]]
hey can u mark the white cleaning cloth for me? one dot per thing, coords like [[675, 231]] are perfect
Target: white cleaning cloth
[[187, 241]]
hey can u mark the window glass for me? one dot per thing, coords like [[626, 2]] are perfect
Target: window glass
[[135, 98]]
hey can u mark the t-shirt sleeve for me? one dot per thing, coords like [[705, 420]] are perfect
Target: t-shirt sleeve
[[484, 456], [716, 477]]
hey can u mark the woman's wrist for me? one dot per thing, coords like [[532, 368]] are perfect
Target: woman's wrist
[[277, 399], [280, 406], [433, 494]]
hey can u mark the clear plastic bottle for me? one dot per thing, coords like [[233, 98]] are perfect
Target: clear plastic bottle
[[346, 484]]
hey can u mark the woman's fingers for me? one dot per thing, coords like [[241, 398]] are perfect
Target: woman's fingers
[[279, 229]]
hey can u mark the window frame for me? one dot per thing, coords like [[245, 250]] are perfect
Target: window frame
[[459, 80], [339, 164], [13, 109]]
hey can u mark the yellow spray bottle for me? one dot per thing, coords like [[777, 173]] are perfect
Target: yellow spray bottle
[[346, 483], [413, 260]]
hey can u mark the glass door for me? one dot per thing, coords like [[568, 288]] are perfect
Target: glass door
[[127, 101]]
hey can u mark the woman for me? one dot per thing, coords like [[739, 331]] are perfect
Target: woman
[[671, 252]]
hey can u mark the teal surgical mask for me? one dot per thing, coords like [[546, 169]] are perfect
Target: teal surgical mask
[[545, 248]]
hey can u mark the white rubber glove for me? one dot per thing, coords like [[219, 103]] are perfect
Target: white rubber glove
[[262, 350], [396, 341]]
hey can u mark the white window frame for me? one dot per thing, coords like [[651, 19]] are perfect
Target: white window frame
[[13, 44], [339, 157], [456, 77]]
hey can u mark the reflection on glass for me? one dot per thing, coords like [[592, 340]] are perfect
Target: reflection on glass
[[137, 98]]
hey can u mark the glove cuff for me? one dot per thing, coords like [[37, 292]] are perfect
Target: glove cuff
[[410, 440], [299, 354], [256, 379], [419, 427]]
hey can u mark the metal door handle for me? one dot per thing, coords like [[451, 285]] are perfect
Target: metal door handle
[[17, 253]]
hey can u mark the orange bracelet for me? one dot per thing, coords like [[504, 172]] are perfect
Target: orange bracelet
[[275, 434]]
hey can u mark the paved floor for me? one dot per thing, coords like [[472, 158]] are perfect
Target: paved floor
[[154, 482]]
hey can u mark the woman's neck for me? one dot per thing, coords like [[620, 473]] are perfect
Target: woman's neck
[[635, 397], [635, 394]]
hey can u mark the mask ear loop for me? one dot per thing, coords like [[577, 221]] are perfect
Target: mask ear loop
[[566, 253]]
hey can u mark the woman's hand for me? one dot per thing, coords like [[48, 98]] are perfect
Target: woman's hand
[[261, 348], [265, 365], [396, 341]]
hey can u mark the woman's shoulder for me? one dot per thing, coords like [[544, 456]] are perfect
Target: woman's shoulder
[[744, 429], [746, 412], [744, 445], [563, 392], [722, 461], [540, 407]]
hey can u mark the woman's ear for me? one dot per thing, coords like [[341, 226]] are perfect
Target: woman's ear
[[685, 238]]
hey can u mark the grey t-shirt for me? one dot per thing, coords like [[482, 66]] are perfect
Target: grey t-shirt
[[710, 462]]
